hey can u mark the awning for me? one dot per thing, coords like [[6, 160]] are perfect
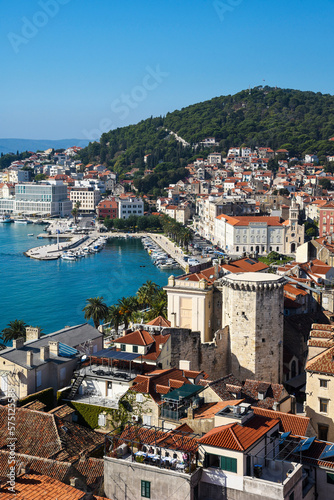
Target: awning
[[111, 354], [186, 391]]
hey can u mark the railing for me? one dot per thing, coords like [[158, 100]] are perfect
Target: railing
[[172, 414]]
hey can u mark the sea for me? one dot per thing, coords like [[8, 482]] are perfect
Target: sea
[[52, 294]]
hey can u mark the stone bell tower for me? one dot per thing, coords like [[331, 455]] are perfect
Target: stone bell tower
[[253, 310]]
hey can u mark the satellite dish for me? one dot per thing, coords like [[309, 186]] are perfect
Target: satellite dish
[[84, 357]]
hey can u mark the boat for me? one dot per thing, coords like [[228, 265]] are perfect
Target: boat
[[31, 234], [68, 256], [5, 219], [22, 221]]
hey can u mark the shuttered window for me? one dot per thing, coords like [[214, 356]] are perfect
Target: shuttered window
[[146, 489], [228, 464]]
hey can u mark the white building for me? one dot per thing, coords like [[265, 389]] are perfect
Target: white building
[[130, 206], [242, 234], [38, 199], [88, 197]]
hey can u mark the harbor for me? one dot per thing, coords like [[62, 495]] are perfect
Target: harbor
[[52, 293]]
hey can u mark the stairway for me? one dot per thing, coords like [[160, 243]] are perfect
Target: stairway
[[75, 386]]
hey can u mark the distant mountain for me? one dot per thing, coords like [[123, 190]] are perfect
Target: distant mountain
[[14, 145]]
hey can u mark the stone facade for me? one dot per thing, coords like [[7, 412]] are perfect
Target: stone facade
[[253, 310]]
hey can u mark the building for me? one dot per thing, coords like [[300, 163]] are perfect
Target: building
[[108, 208], [255, 325], [259, 234], [238, 458], [46, 198], [45, 361], [87, 197], [326, 219], [320, 381], [294, 232], [128, 206]]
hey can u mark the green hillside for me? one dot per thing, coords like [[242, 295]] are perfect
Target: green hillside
[[299, 121]]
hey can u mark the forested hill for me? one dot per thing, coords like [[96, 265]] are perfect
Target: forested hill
[[301, 122]]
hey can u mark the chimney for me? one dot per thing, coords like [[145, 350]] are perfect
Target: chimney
[[74, 481], [32, 333], [29, 358], [190, 413], [18, 343], [53, 347], [216, 268], [44, 353]]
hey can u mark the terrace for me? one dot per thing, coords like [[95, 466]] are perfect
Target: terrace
[[175, 404], [104, 378], [175, 450]]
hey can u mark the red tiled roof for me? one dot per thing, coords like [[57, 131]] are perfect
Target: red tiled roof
[[295, 424], [37, 487], [239, 437], [159, 321], [138, 337], [322, 363], [246, 220]]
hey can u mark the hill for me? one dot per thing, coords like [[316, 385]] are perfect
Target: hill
[[301, 122], [20, 145]]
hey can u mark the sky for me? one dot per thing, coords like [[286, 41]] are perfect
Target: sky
[[78, 68]]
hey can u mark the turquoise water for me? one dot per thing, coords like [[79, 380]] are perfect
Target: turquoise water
[[52, 294]]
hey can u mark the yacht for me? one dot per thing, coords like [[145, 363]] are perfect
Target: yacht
[[68, 256], [5, 219]]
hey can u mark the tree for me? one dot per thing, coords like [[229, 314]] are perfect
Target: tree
[[40, 177], [114, 317], [325, 183], [147, 292], [127, 306], [96, 310], [74, 212], [14, 330], [159, 306]]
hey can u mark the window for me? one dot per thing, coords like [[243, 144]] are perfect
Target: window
[[134, 348], [123, 347], [323, 383], [330, 478], [292, 496], [322, 432], [323, 405], [228, 464], [146, 489], [38, 379]]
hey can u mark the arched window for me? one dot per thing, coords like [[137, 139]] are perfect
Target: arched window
[[293, 369]]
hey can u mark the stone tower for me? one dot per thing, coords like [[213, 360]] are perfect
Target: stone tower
[[253, 310]]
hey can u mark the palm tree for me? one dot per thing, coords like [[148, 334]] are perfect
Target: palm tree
[[127, 306], [159, 306], [14, 330], [147, 292], [114, 316], [96, 310], [75, 212]]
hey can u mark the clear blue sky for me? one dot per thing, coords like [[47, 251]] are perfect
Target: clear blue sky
[[69, 71]]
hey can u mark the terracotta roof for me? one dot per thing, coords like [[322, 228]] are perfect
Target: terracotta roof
[[92, 469], [62, 411], [159, 321], [245, 265], [239, 437], [156, 382], [37, 487], [296, 424], [322, 363], [138, 337], [209, 410], [35, 405], [45, 435], [246, 220]]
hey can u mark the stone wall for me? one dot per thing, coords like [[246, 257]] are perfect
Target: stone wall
[[122, 481], [213, 358]]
